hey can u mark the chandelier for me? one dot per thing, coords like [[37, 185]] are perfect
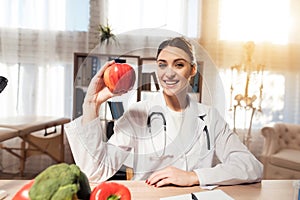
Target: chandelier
[[248, 77]]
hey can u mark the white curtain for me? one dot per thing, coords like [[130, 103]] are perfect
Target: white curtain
[[36, 56], [277, 49], [37, 42], [180, 16], [274, 27]]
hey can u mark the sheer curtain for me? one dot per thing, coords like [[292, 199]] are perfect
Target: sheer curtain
[[278, 50], [180, 16], [274, 27], [37, 42], [36, 55]]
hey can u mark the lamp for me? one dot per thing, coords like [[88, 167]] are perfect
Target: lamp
[[250, 75]]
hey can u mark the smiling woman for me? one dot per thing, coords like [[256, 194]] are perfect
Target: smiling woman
[[169, 138]]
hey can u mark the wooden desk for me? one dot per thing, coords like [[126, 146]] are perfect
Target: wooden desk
[[50, 141], [267, 189]]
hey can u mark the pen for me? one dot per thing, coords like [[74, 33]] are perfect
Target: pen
[[194, 196]]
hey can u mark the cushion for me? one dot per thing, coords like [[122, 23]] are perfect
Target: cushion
[[289, 135], [287, 158]]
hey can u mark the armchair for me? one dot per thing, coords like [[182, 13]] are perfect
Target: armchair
[[281, 151]]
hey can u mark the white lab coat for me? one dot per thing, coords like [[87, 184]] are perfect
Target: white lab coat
[[197, 139]]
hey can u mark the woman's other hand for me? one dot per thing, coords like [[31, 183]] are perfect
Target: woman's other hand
[[172, 175]]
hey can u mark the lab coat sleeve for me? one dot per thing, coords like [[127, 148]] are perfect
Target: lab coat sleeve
[[237, 164], [98, 159]]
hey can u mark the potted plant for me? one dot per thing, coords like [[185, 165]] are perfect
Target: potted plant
[[106, 34]]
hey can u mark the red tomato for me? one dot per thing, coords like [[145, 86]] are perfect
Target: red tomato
[[23, 193], [119, 77], [110, 191]]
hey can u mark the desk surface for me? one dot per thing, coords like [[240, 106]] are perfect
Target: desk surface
[[267, 189]]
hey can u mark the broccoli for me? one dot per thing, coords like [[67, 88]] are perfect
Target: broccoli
[[60, 182]]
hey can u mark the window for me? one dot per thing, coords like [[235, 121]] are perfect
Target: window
[[45, 14], [270, 25], [256, 20], [38, 38], [280, 100], [177, 15]]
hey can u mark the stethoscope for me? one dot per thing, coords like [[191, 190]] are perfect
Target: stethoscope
[[205, 129], [165, 131]]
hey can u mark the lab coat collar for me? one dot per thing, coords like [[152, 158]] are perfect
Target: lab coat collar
[[195, 120], [159, 100]]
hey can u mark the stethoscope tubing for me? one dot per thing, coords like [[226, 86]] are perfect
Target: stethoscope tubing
[[207, 137], [205, 129], [162, 116]]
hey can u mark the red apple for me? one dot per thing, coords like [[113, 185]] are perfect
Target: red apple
[[119, 77]]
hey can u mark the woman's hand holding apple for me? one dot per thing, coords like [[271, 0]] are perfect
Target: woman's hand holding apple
[[96, 94], [111, 80]]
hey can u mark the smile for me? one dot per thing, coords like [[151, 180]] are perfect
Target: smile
[[168, 82]]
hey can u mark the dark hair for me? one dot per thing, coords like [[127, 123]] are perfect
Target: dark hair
[[181, 43]]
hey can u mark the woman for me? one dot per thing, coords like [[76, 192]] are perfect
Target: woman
[[170, 139]]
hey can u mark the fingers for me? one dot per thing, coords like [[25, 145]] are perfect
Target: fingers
[[161, 177], [162, 182], [96, 94], [104, 67], [172, 175], [97, 82]]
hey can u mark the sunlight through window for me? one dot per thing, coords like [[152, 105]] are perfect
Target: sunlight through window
[[45, 14], [176, 15], [272, 101], [256, 20]]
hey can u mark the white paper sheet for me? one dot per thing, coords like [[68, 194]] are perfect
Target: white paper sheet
[[208, 187], [205, 195], [3, 194]]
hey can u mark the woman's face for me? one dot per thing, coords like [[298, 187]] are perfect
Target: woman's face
[[174, 70]]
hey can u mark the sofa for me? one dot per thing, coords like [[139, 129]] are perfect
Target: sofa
[[281, 151]]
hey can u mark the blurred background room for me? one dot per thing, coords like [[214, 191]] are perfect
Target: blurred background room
[[249, 52]]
